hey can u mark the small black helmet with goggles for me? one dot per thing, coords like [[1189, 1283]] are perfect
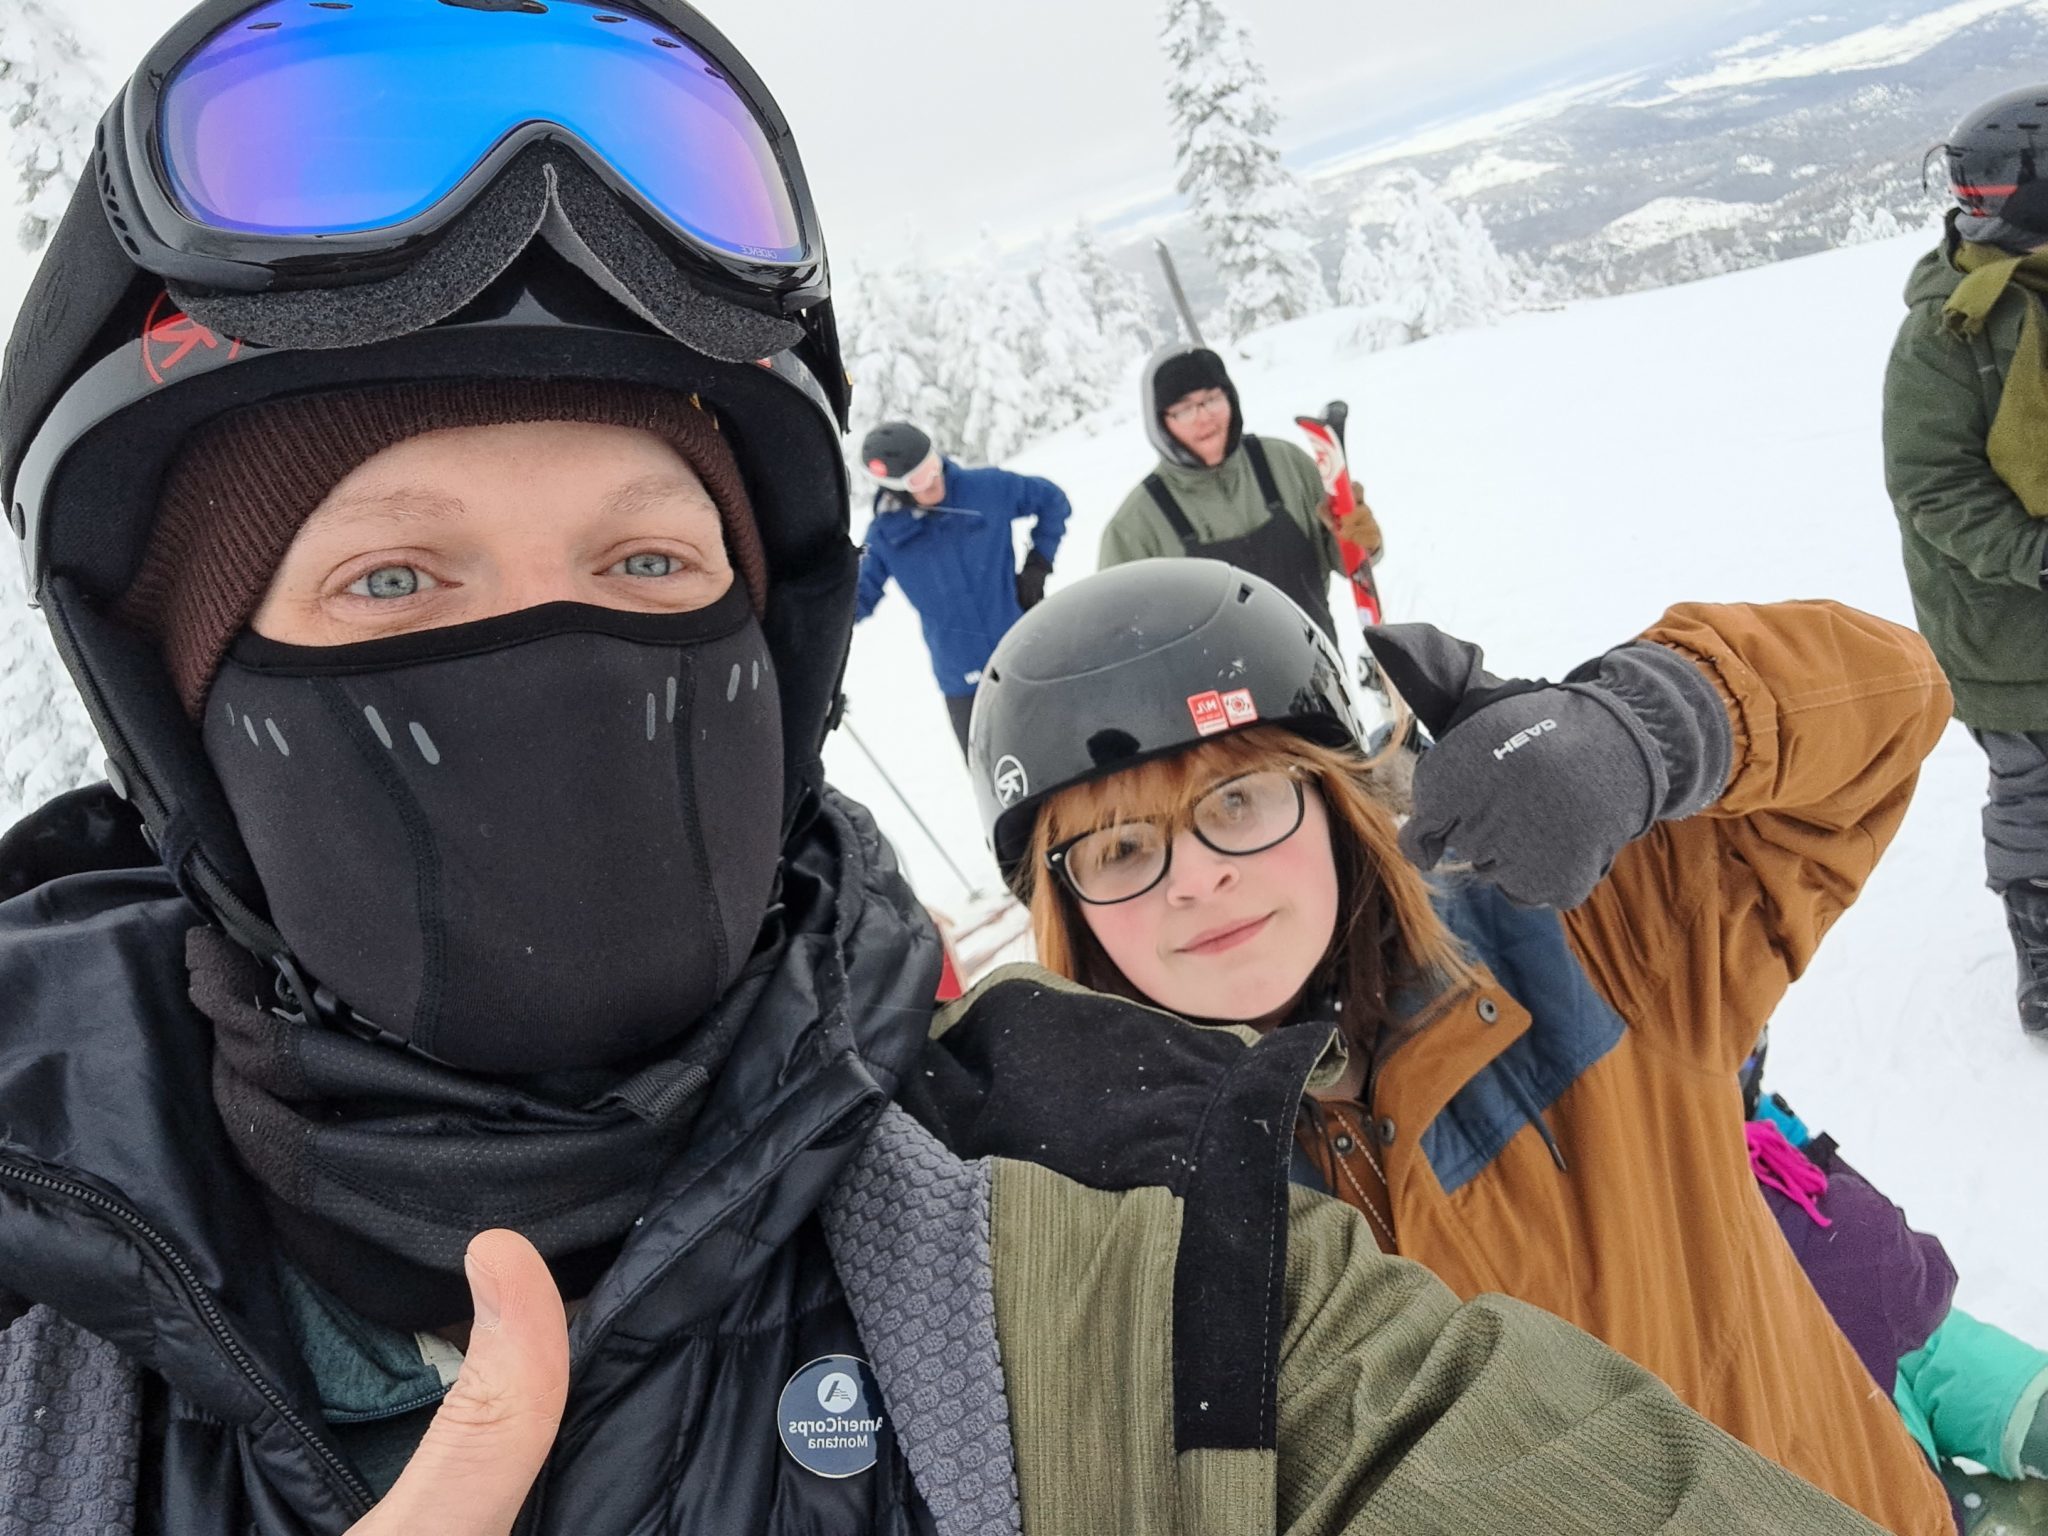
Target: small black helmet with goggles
[[1134, 663], [540, 246], [1997, 161]]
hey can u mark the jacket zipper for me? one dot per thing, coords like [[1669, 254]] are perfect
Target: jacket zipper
[[210, 1314]]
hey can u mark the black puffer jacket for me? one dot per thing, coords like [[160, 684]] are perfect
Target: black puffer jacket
[[123, 1213]]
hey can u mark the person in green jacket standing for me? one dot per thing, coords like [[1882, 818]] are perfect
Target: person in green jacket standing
[[1221, 494], [1966, 462]]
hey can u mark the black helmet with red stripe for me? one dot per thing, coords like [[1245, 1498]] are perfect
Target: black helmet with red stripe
[[1997, 157]]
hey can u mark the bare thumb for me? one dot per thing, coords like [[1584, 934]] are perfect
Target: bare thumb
[[494, 1429]]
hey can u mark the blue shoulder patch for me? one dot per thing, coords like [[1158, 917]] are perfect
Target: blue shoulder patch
[[1572, 1027]]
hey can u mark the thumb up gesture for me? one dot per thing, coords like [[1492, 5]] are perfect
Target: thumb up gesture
[[494, 1429]]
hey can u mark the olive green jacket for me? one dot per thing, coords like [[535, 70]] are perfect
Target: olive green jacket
[[1222, 503], [1190, 1345], [1973, 553]]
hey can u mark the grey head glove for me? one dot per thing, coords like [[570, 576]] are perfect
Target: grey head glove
[[1539, 785]]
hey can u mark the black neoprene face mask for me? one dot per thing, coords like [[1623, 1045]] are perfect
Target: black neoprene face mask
[[540, 841]]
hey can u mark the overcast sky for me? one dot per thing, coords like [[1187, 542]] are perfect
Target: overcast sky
[[933, 118]]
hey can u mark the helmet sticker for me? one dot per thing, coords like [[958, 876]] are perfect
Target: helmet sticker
[[1010, 782], [877, 468], [170, 337], [1238, 707], [1207, 708]]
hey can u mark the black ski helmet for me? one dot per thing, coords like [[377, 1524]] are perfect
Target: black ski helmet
[[545, 273], [892, 450], [1997, 158], [1134, 663]]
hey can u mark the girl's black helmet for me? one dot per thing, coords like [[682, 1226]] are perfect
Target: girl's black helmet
[[1134, 663]]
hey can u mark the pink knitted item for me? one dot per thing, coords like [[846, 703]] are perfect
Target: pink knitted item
[[1781, 1166]]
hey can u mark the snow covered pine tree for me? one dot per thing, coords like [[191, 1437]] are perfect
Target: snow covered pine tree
[[49, 102], [1432, 270], [1253, 214], [48, 106]]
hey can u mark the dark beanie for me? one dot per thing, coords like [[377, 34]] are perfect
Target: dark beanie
[[243, 486], [894, 449], [1185, 372]]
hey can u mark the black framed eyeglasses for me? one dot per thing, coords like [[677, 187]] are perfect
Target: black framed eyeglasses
[[1238, 817]]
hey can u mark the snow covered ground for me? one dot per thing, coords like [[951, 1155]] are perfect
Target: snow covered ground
[[1547, 488]]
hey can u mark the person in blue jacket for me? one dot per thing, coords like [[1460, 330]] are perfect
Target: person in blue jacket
[[942, 531]]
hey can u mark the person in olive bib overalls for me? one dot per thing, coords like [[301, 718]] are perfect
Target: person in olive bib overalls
[[1220, 493]]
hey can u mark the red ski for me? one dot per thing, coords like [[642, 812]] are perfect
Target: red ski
[[1326, 442]]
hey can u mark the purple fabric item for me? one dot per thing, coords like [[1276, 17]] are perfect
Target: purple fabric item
[[1886, 1286]]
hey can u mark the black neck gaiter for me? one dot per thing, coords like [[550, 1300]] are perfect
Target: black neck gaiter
[[540, 842], [378, 1166]]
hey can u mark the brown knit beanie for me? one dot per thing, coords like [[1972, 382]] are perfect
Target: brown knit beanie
[[241, 488]]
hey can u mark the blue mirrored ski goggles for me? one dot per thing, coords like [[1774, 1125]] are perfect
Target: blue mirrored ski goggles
[[301, 134]]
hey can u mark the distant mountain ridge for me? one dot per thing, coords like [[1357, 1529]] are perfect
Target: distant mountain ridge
[[1789, 133]]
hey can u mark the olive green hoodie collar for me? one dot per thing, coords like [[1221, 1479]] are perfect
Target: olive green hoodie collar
[[1933, 278], [1201, 480]]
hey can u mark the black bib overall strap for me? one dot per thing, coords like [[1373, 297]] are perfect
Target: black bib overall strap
[[1277, 549]]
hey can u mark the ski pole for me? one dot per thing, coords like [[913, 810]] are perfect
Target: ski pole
[[904, 800]]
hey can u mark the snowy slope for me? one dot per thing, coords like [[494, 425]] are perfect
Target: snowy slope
[[1547, 488]]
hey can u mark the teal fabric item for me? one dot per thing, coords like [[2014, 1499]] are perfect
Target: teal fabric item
[[378, 1390], [363, 1370], [1789, 1125], [1978, 1389]]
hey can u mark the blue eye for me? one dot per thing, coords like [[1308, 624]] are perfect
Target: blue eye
[[648, 565], [391, 581]]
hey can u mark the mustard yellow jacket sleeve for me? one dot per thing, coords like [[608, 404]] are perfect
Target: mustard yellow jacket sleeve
[[1702, 924]]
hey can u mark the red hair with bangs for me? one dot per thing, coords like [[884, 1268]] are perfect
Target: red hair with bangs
[[1387, 931]]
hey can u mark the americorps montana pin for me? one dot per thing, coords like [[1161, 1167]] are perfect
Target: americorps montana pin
[[830, 1417]]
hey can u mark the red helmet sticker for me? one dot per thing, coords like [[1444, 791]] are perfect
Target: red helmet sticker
[[1238, 707], [877, 468], [170, 337], [1207, 708]]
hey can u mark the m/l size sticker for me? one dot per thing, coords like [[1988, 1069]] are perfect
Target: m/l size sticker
[[830, 1417]]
